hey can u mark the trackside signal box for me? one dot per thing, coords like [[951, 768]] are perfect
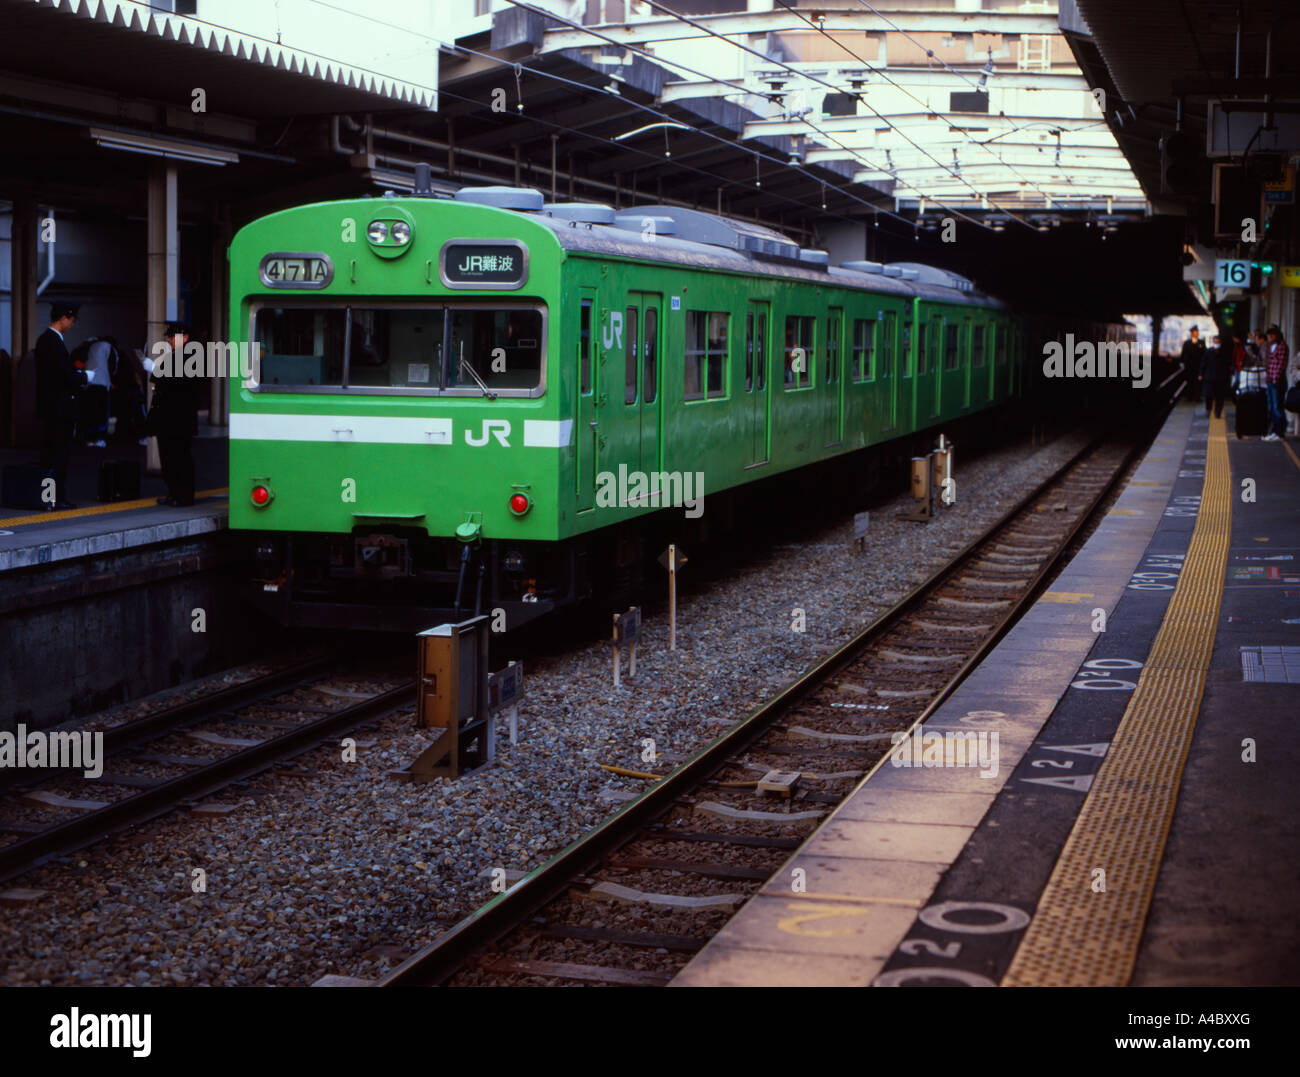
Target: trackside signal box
[[452, 698]]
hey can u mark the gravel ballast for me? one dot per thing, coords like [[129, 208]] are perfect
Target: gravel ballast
[[343, 869]]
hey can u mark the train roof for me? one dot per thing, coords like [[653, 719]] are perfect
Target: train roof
[[655, 232]]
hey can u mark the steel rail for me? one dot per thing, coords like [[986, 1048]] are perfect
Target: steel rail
[[187, 713], [63, 838]]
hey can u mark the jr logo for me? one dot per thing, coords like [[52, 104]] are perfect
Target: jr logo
[[497, 428], [613, 332]]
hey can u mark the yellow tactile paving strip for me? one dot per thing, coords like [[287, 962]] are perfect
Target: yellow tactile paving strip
[[1082, 937], [99, 510]]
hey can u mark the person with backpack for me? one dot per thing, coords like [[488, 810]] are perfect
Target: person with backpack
[[1275, 382], [127, 396], [95, 355]]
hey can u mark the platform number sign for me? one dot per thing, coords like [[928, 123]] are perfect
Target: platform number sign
[[1231, 272]]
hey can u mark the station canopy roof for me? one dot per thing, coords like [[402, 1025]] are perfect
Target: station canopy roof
[[134, 49], [982, 112]]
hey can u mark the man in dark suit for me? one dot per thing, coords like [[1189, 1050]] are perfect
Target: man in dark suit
[[1216, 370], [174, 420], [57, 383]]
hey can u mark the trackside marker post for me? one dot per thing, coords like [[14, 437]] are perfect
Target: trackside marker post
[[627, 629], [672, 559]]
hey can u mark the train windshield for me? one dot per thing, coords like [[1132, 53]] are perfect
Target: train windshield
[[404, 349]]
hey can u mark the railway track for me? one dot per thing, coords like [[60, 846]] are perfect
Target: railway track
[[241, 731], [680, 858]]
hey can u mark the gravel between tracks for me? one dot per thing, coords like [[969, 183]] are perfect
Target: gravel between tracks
[[342, 869]]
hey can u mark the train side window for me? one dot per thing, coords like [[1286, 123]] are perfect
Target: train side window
[[630, 325], [977, 345], [798, 351], [833, 348], [864, 340], [718, 352], [650, 378], [584, 348], [907, 348], [749, 352], [706, 354], [887, 345], [952, 354], [922, 350], [760, 354], [301, 346]]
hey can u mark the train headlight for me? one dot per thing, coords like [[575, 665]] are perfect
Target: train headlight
[[392, 231], [520, 504]]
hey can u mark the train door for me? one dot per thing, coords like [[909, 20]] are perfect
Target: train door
[[618, 398], [929, 335], [757, 382], [587, 429], [967, 361], [833, 382], [939, 344], [907, 358], [889, 364], [641, 374]]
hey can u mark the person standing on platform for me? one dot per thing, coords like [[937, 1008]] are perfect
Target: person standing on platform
[[57, 383], [1216, 369], [1193, 355], [174, 421], [1275, 382], [95, 411]]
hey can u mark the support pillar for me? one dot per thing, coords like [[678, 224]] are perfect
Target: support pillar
[[219, 401], [163, 267], [20, 417]]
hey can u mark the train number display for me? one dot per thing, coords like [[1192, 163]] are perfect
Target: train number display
[[291, 270]]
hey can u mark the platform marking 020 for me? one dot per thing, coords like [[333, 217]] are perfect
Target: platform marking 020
[[1097, 675], [939, 917], [1157, 572]]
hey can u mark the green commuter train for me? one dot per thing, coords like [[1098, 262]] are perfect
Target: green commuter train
[[492, 403]]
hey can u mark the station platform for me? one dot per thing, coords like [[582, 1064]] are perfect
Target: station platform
[[1141, 822], [30, 538]]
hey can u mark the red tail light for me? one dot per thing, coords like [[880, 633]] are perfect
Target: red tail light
[[260, 496], [519, 504]]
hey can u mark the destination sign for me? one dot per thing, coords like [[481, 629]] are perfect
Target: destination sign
[[470, 264], [292, 270]]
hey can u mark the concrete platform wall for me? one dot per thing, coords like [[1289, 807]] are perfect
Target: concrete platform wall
[[82, 634]]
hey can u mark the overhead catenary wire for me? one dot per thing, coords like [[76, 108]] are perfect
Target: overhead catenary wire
[[1047, 199], [645, 54], [779, 162]]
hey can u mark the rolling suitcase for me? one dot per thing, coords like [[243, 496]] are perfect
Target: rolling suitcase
[[119, 480], [1252, 413], [20, 487]]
